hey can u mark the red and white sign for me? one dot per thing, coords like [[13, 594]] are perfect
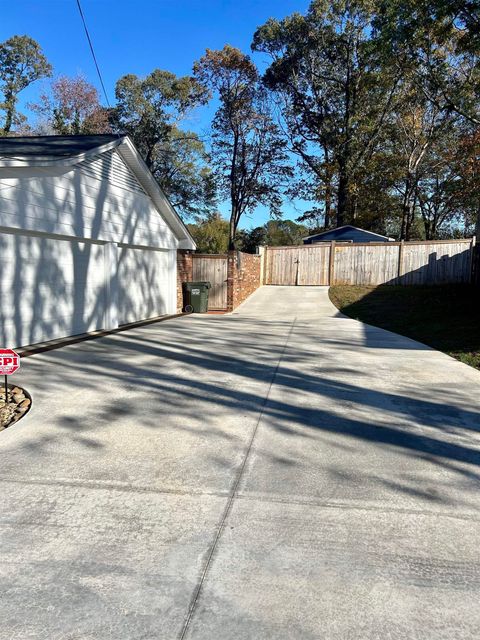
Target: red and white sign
[[9, 361]]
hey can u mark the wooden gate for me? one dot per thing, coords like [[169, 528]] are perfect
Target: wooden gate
[[212, 268], [303, 265]]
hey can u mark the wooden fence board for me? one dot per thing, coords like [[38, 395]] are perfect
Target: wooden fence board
[[305, 265], [213, 269], [436, 263], [476, 265], [365, 265], [374, 263]]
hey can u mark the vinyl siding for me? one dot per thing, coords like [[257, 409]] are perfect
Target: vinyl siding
[[154, 291], [98, 199], [82, 248], [49, 288]]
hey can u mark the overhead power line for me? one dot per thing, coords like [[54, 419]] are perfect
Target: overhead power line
[[93, 52]]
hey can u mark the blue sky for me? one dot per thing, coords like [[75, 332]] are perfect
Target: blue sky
[[136, 36]]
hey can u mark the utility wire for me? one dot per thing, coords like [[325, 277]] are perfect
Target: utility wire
[[93, 52]]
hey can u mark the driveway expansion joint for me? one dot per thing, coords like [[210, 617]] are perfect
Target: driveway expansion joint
[[233, 491], [111, 486]]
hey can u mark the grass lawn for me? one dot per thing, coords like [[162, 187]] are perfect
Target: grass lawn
[[445, 317]]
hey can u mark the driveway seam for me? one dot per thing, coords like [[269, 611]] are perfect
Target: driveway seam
[[470, 516], [232, 493], [82, 484]]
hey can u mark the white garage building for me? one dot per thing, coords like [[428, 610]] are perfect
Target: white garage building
[[87, 238]]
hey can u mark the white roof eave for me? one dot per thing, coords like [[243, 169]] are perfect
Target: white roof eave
[[135, 162]]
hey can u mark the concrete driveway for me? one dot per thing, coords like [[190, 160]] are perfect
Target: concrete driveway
[[280, 472]]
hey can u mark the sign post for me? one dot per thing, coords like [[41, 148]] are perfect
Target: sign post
[[9, 363]]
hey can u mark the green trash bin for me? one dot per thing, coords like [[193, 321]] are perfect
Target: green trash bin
[[195, 296]]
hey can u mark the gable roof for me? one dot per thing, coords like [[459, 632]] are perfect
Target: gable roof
[[344, 229], [44, 151]]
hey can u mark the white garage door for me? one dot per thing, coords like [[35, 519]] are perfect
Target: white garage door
[[49, 288], [146, 281]]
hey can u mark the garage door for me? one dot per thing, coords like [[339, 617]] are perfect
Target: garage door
[[146, 281], [50, 288]]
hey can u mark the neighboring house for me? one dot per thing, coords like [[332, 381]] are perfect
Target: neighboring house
[[347, 233], [88, 240]]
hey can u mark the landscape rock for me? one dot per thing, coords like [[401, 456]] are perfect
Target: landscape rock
[[16, 408]]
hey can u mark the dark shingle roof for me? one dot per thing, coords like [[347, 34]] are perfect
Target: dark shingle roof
[[51, 146], [348, 231]]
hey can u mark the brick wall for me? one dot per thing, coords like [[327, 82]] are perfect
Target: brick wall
[[184, 274], [243, 277]]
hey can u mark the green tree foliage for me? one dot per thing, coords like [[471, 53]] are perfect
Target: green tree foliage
[[248, 154], [22, 62], [181, 167], [437, 42], [374, 97], [211, 234], [333, 91], [464, 163], [249, 240], [275, 233], [151, 110], [71, 107]]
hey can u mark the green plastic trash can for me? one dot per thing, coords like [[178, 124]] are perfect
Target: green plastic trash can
[[195, 296]]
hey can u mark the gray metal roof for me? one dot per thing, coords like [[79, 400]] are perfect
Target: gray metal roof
[[49, 147]]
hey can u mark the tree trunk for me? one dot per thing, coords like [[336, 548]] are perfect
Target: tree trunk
[[327, 217], [428, 223], [149, 157], [342, 198], [232, 231], [403, 228], [408, 208], [410, 218], [411, 214], [10, 109], [353, 207], [433, 230], [428, 230], [328, 189]]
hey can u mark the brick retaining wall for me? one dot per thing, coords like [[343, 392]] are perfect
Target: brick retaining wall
[[243, 277]]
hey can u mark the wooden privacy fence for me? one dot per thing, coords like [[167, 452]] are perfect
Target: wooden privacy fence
[[476, 265], [373, 263], [305, 265], [213, 269]]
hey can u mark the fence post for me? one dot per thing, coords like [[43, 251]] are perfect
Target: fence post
[[400, 259], [261, 251], [474, 262], [331, 263]]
